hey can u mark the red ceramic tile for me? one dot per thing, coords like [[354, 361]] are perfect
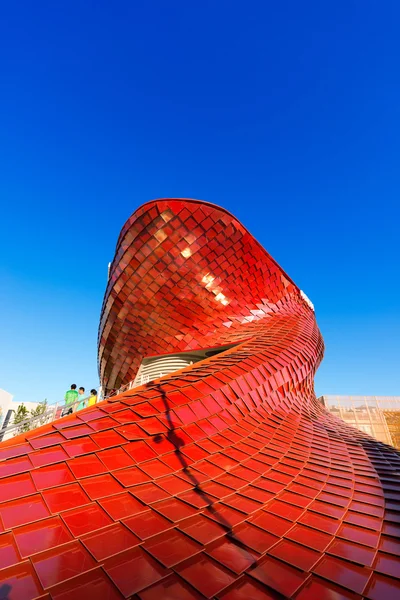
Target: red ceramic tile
[[316, 588], [358, 535], [9, 554], [52, 475], [134, 570], [173, 484], [86, 466], [387, 564], [139, 450], [85, 519], [13, 466], [46, 441], [48, 456], [16, 486], [170, 588], [131, 476], [247, 589], [280, 577], [206, 575], [254, 538], [20, 582], [231, 554], [155, 468], [174, 509], [61, 563], [122, 505], [80, 446], [91, 585], [149, 493], [294, 554], [130, 432], [202, 529], [312, 538], [352, 577], [103, 423], [171, 547], [352, 552], [90, 415], [15, 450], [65, 497], [381, 587], [225, 515], [76, 432], [14, 513], [116, 458], [109, 541], [101, 486], [40, 536], [147, 524]]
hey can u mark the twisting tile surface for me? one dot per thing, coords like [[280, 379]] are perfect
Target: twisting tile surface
[[224, 480]]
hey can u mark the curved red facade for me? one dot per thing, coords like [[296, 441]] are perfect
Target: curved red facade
[[224, 480]]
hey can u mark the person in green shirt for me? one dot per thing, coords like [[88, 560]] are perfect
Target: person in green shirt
[[71, 396]]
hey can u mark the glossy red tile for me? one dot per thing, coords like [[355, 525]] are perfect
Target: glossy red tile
[[48, 456], [116, 458], [20, 582], [51, 476], [77, 447], [61, 563], [85, 519], [40, 536], [13, 466], [170, 588], [108, 541], [206, 575], [280, 577], [202, 529], [381, 587], [174, 509], [101, 486], [9, 554], [231, 554], [352, 577], [122, 505], [14, 513], [131, 476], [65, 497], [147, 524], [294, 554], [171, 547], [16, 487], [245, 589], [46, 440], [86, 466], [133, 570], [93, 584]]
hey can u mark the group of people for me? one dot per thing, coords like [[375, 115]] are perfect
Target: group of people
[[77, 399]]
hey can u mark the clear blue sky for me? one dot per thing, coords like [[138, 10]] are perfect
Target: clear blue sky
[[285, 113]]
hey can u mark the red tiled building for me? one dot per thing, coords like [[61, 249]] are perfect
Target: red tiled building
[[225, 479]]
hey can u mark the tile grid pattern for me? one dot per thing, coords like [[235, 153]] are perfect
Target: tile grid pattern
[[226, 480]]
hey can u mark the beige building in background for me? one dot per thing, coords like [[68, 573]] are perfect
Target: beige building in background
[[379, 416]]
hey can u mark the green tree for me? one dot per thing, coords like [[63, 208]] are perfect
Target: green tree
[[19, 417], [23, 415], [38, 412]]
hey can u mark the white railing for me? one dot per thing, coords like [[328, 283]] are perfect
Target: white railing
[[51, 413]]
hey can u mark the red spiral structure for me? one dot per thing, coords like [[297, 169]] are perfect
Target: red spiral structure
[[226, 479]]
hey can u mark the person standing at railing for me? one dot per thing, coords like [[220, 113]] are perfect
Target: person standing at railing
[[71, 396], [92, 398], [82, 398]]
